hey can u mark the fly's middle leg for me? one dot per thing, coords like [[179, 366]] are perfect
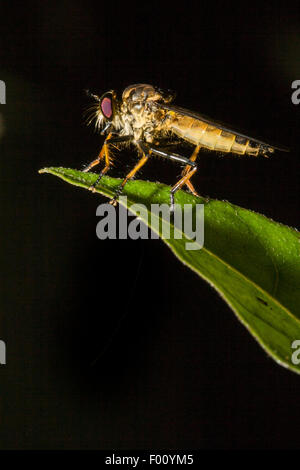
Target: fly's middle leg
[[131, 174]]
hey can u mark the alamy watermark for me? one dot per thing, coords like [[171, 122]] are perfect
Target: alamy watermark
[[2, 352], [2, 92], [186, 222], [295, 358], [296, 94]]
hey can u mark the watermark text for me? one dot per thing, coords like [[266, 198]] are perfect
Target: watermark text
[[2, 352], [2, 92], [186, 222], [296, 94], [296, 354]]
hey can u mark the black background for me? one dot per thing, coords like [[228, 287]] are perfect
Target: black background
[[174, 369]]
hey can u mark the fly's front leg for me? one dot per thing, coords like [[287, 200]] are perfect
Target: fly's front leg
[[103, 171], [146, 154], [105, 153], [100, 156]]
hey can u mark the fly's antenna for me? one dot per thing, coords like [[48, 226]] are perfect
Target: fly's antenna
[[92, 95]]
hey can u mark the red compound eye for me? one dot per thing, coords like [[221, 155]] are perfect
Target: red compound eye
[[106, 107]]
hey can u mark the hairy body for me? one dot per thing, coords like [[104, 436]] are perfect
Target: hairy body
[[145, 117]]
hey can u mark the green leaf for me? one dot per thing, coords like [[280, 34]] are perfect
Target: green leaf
[[252, 261]]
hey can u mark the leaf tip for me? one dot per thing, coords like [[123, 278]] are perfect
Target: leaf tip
[[43, 170]]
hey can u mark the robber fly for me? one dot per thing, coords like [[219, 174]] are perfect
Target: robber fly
[[145, 117]]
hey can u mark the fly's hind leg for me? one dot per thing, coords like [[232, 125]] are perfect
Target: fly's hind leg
[[187, 169], [191, 159], [184, 180], [190, 186]]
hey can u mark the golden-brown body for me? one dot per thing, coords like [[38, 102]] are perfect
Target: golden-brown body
[[210, 137], [145, 117]]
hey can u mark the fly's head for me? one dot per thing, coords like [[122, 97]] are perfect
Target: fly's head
[[104, 112], [135, 114]]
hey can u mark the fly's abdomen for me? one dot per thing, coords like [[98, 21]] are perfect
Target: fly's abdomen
[[213, 138]]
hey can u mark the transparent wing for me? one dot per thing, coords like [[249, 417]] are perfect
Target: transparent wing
[[179, 111]]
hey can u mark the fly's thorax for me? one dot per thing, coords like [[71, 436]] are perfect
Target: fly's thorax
[[140, 114], [141, 92], [137, 120]]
